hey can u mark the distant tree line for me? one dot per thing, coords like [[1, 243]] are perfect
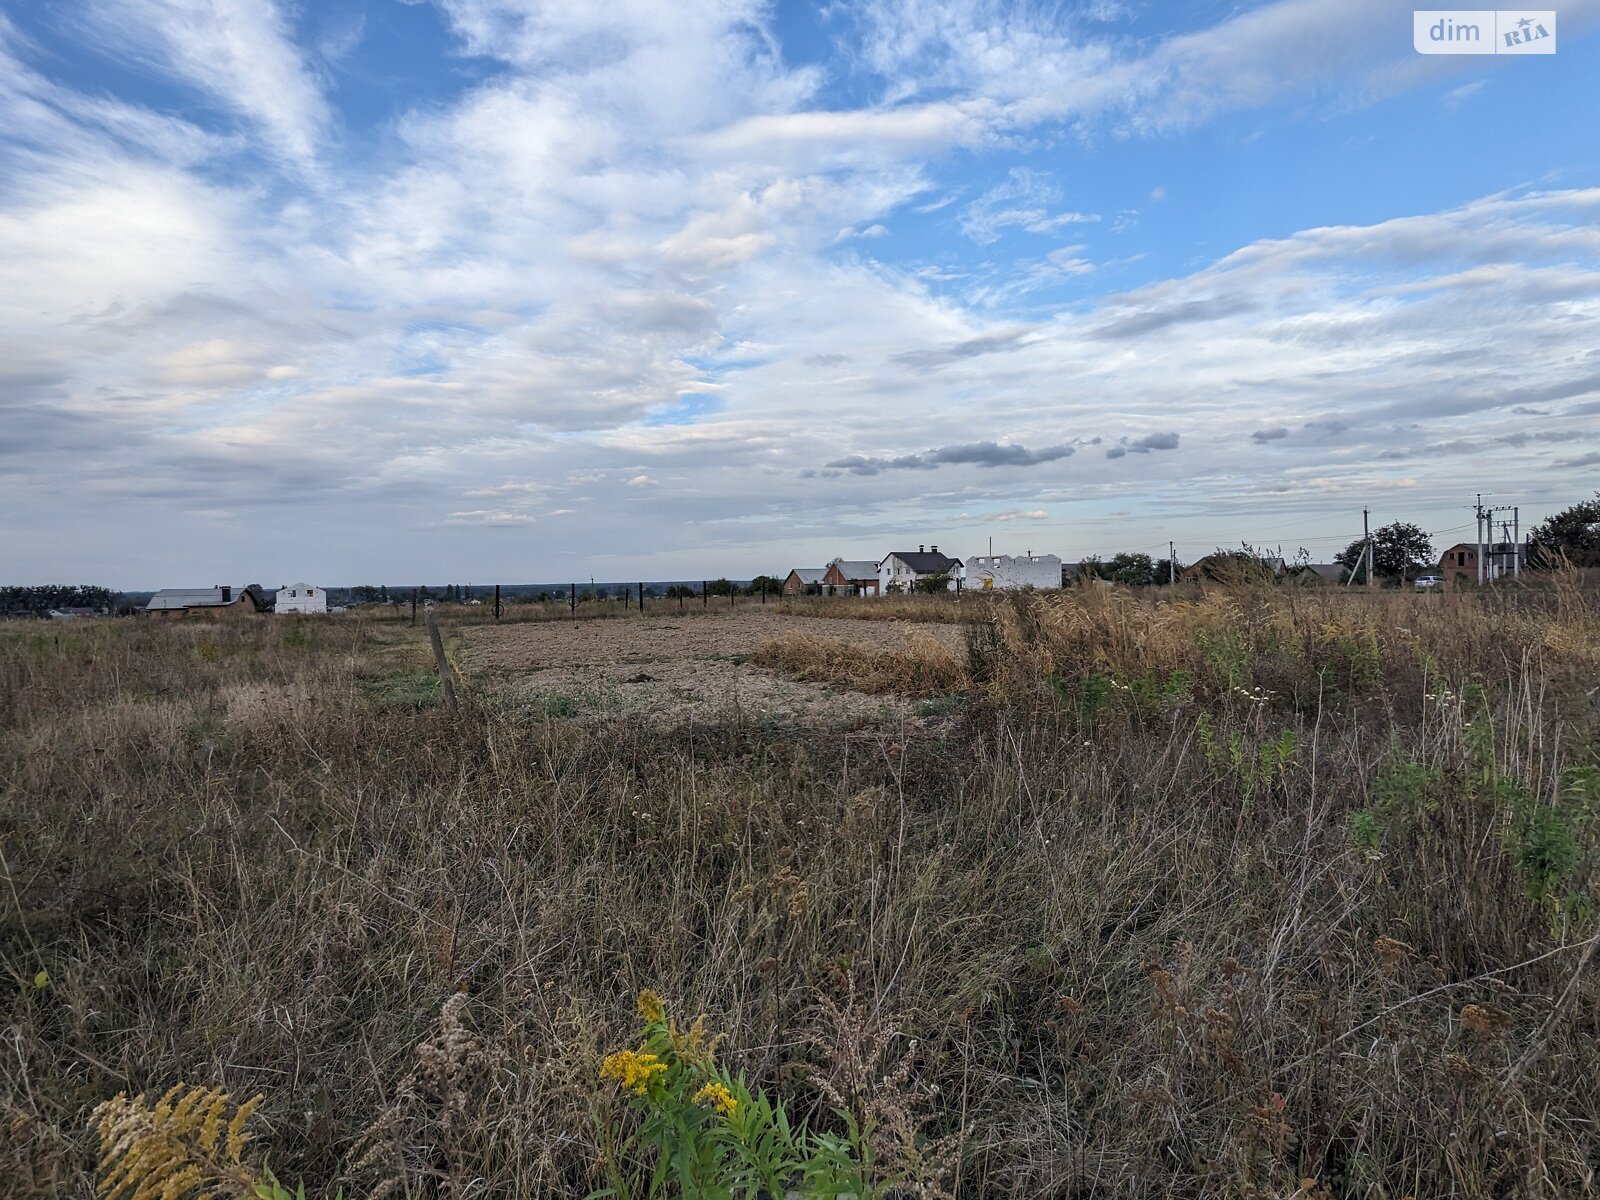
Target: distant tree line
[[39, 599], [1129, 569], [1401, 551]]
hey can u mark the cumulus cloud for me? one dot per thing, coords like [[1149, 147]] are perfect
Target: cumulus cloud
[[481, 315], [1144, 445]]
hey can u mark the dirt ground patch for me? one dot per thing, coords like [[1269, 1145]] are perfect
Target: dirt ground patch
[[681, 666]]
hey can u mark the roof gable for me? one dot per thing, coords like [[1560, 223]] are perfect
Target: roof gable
[[923, 562]]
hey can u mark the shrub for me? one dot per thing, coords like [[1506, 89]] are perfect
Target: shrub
[[701, 1131]]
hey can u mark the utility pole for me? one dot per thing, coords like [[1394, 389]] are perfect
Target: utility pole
[[1491, 553], [1366, 536], [1478, 509], [1172, 565]]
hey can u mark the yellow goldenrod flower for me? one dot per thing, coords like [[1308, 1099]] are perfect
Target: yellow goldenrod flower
[[650, 1006], [211, 1124], [696, 1044], [717, 1096], [632, 1069], [236, 1130], [173, 1147]]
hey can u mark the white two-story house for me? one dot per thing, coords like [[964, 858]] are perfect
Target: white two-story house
[[900, 570], [301, 598]]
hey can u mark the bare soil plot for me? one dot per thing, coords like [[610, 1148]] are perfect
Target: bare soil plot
[[675, 666]]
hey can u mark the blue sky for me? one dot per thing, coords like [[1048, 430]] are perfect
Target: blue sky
[[376, 290]]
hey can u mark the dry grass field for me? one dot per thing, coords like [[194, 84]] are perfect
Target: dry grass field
[[695, 666], [1212, 894]]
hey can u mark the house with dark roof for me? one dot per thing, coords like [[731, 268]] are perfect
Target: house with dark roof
[[219, 601], [1329, 572], [851, 577], [900, 570], [1234, 566]]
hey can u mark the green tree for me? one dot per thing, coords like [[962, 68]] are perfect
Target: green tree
[[768, 583], [1088, 568], [929, 585], [1399, 550], [1572, 534], [720, 587], [1134, 570]]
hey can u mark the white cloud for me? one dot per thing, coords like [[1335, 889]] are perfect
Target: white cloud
[[593, 271], [239, 51], [1024, 200], [490, 516]]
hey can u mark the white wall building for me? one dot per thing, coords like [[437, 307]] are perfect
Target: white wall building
[[1005, 572], [301, 598], [900, 570]]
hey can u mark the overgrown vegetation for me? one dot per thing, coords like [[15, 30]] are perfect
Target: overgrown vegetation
[[923, 667], [1234, 893], [943, 608]]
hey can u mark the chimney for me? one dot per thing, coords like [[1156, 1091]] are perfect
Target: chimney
[[921, 549], [227, 594], [936, 549]]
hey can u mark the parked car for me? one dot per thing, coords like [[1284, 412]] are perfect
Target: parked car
[[1430, 581]]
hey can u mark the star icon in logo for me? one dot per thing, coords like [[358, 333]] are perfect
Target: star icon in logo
[[1524, 23]]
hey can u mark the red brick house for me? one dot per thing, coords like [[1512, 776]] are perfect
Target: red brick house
[[804, 581], [851, 578], [1459, 564]]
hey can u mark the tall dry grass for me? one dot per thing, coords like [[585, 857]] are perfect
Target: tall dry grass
[[1249, 895], [945, 608], [923, 666]]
